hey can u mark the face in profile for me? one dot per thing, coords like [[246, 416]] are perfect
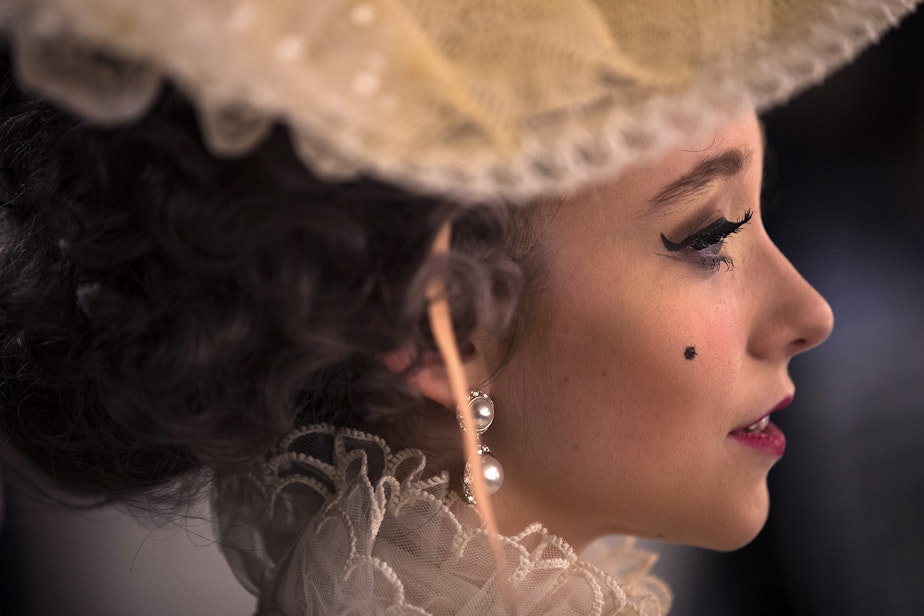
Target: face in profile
[[654, 350]]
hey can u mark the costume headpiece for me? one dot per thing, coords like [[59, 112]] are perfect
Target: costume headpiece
[[471, 98]]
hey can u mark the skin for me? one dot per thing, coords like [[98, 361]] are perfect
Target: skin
[[603, 425], [606, 425]]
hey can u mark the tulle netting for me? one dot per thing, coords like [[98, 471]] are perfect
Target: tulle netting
[[334, 522], [477, 99]]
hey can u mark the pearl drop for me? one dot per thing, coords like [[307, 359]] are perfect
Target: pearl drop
[[493, 473], [482, 412]]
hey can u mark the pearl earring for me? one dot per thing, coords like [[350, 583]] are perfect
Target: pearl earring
[[482, 409]]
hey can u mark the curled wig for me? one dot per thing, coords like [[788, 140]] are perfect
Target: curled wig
[[163, 311]]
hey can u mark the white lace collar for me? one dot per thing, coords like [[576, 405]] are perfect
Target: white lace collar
[[334, 522]]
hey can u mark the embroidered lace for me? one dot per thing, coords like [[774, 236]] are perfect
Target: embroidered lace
[[473, 98], [334, 522]]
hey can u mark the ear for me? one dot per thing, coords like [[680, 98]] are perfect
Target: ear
[[431, 379]]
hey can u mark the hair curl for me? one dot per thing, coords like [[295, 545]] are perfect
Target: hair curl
[[162, 310]]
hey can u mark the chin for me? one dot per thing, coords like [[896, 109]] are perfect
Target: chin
[[740, 527], [736, 540], [727, 528]]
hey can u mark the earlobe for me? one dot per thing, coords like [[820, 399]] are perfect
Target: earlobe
[[432, 381], [431, 378]]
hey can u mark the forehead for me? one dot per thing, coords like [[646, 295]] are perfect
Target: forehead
[[726, 152], [729, 150], [735, 149]]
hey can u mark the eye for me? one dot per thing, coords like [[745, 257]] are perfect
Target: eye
[[704, 247]]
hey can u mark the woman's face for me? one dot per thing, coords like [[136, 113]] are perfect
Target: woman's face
[[649, 348]]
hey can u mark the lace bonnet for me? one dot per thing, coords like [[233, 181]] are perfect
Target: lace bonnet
[[475, 99]]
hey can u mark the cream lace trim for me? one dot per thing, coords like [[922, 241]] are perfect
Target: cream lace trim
[[335, 522], [472, 98]]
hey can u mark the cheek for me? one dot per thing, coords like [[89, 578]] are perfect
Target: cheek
[[614, 387], [670, 397], [695, 356], [604, 402], [609, 344]]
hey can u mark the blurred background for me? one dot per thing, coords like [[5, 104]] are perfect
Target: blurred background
[[845, 537]]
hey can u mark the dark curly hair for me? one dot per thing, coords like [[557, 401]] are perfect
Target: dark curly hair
[[164, 311]]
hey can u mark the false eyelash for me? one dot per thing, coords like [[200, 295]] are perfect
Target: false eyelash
[[704, 241]]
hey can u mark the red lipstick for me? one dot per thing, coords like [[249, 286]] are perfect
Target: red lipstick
[[763, 435], [770, 439]]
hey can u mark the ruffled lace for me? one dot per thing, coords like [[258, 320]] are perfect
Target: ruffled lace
[[471, 98], [335, 522]]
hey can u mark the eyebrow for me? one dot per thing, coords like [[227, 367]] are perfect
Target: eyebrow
[[722, 165]]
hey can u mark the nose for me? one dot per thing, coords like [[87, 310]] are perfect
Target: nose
[[793, 317]]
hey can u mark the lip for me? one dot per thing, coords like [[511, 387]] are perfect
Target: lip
[[771, 439], [782, 404]]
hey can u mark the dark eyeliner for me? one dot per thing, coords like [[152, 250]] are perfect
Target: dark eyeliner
[[709, 235], [705, 246]]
